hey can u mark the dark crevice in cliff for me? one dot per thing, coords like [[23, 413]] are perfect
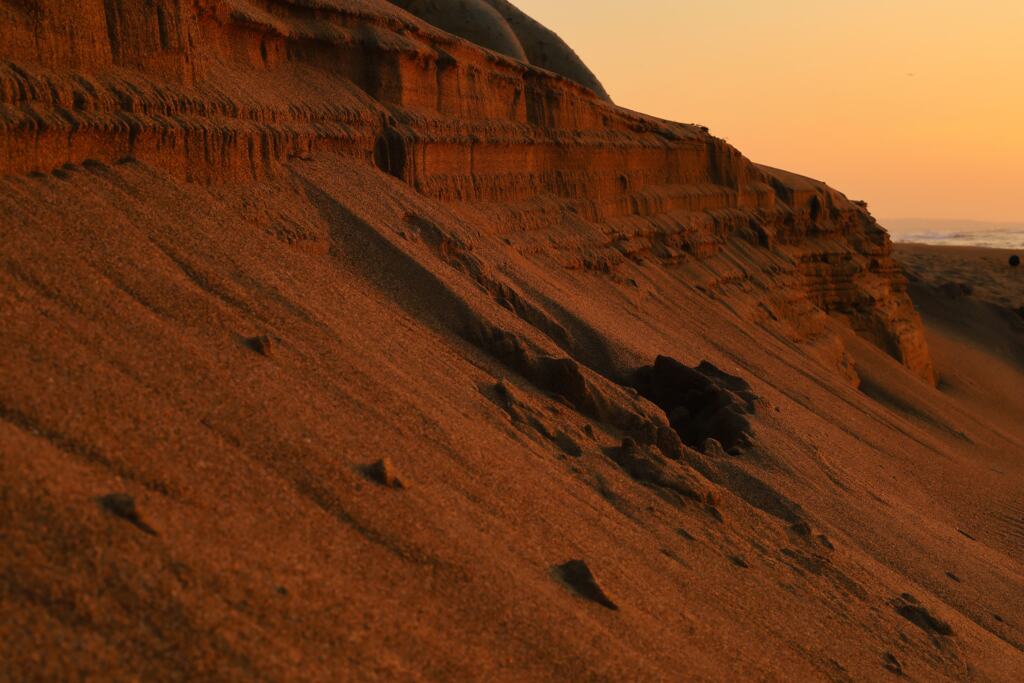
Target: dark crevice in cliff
[[389, 153]]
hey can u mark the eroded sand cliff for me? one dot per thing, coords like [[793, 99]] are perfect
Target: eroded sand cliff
[[261, 257]]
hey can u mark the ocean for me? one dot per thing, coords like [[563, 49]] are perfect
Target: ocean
[[997, 239]]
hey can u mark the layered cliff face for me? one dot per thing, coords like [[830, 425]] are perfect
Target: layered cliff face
[[236, 88]]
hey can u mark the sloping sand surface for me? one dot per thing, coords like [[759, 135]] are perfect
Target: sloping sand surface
[[861, 523]]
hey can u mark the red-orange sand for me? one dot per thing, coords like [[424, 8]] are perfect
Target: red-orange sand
[[268, 412]]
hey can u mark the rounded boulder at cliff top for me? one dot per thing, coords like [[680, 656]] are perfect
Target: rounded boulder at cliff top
[[474, 20], [500, 26]]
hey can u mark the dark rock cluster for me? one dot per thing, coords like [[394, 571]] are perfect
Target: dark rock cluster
[[703, 404]]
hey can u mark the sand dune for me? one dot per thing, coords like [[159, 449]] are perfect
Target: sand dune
[[337, 348]]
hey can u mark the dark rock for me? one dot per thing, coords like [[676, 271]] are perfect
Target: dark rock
[[123, 505], [908, 607], [565, 377], [577, 575], [739, 562], [384, 473], [508, 399], [669, 444], [263, 344], [701, 403], [801, 528], [679, 414], [568, 444], [713, 448], [890, 663], [636, 463], [1015, 261]]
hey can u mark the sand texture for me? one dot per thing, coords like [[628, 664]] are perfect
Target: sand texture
[[336, 347]]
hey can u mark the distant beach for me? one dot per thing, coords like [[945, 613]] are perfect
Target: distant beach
[[957, 233], [984, 269], [1002, 239]]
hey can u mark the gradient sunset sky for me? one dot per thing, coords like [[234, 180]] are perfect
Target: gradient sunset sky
[[915, 106]]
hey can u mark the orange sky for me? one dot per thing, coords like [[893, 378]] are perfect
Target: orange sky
[[915, 106]]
